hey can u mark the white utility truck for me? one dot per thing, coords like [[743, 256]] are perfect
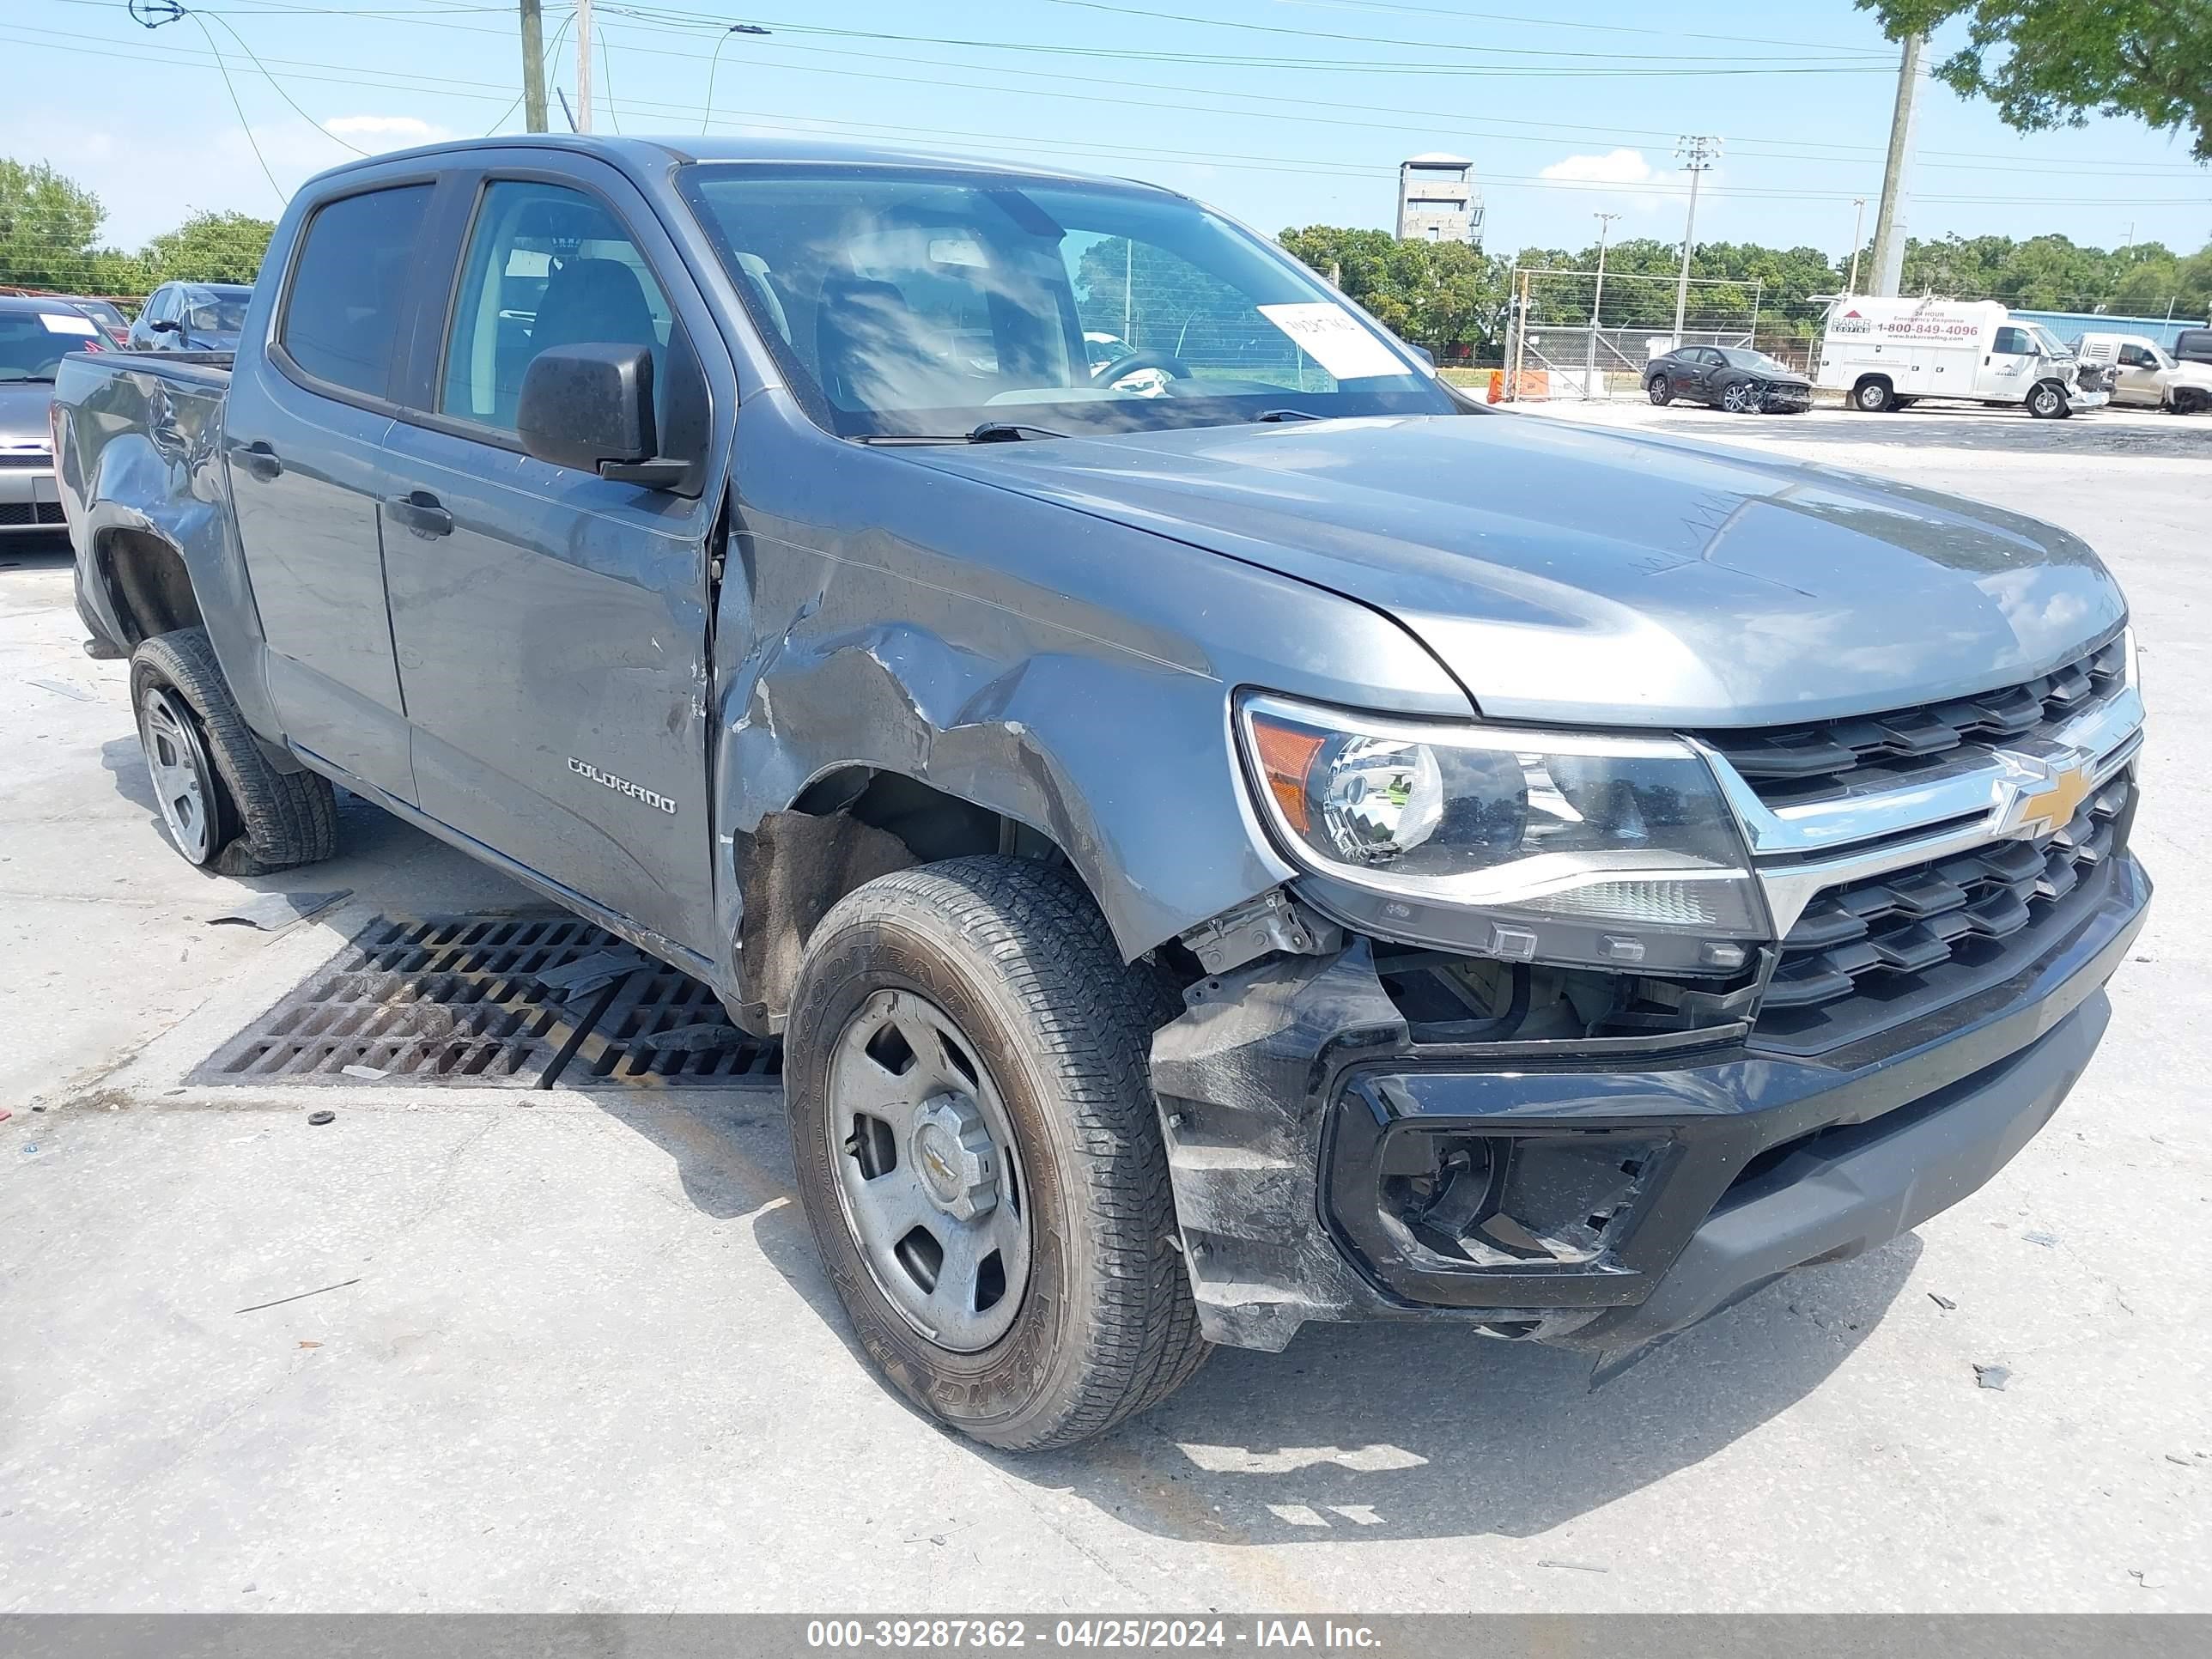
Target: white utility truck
[[2142, 371], [1890, 353]]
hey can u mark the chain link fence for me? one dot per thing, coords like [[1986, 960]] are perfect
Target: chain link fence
[[1572, 334]]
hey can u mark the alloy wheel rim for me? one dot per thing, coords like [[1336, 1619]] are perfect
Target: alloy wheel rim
[[184, 781], [928, 1178]]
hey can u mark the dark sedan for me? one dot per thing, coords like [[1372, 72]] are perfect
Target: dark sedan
[[1727, 377]]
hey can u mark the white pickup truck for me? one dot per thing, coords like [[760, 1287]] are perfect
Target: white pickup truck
[[2143, 373]]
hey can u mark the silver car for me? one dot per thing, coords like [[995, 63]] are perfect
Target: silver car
[[35, 335]]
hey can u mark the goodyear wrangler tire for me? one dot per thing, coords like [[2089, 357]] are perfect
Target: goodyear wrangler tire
[[979, 1151], [224, 804]]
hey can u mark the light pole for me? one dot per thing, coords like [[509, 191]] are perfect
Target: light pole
[[1696, 152], [1597, 301], [1858, 229], [716, 63]]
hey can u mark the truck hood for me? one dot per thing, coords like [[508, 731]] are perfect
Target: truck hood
[[1568, 574], [23, 414]]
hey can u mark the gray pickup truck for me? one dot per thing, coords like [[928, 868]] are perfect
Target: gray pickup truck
[[1229, 833]]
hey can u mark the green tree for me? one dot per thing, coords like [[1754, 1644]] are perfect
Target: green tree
[[1445, 295], [47, 223], [2050, 63], [210, 247]]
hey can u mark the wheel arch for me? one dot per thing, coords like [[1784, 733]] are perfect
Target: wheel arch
[[148, 584]]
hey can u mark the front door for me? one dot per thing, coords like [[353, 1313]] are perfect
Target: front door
[[2008, 365], [303, 427], [2138, 379], [552, 625]]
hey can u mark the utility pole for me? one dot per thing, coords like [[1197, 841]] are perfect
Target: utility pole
[[583, 65], [1858, 235], [1696, 152], [1888, 226], [1597, 303], [533, 67]]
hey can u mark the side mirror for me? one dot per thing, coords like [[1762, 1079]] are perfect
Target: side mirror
[[1423, 352], [590, 407]]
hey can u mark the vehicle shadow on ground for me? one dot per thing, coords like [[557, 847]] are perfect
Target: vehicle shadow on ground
[[372, 843], [1356, 1432]]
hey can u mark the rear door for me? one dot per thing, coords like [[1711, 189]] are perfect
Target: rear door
[[551, 625], [303, 427]]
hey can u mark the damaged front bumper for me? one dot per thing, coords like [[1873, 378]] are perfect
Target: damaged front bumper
[[1328, 1167]]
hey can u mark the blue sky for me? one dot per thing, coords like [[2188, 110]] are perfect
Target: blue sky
[[1282, 112]]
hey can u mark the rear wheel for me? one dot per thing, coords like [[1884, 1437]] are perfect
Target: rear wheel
[[979, 1151], [2047, 401], [1873, 396], [1660, 390], [225, 805]]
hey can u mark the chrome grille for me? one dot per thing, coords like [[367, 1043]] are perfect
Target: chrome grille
[[1794, 765], [1868, 953]]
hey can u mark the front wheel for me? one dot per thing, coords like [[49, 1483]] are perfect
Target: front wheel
[[2047, 402], [1660, 390], [1742, 398], [979, 1151]]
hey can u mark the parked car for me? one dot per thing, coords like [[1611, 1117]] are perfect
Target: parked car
[[1298, 847], [1886, 354], [35, 334], [2143, 375], [1741, 381], [109, 315], [192, 317]]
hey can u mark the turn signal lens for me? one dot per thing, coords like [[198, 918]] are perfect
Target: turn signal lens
[[1286, 755]]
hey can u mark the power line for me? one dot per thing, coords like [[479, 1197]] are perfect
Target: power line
[[669, 20]]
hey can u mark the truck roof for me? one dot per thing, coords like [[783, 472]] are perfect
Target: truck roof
[[637, 155]]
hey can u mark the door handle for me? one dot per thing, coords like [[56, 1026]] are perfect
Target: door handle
[[421, 512], [258, 458]]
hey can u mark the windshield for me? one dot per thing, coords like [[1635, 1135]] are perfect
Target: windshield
[[1760, 360], [2048, 341], [926, 303], [33, 342], [209, 313]]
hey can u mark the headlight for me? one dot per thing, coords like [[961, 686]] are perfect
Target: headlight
[[1562, 846]]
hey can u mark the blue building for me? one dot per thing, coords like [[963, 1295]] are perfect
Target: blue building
[[2071, 326]]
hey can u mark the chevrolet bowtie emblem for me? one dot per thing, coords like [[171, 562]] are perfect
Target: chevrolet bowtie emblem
[[2043, 792]]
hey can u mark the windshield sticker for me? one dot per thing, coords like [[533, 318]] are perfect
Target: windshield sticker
[[1333, 338], [67, 324]]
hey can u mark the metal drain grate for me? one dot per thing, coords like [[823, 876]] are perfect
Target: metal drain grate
[[458, 1001]]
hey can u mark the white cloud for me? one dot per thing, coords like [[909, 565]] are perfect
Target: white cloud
[[1635, 183], [1616, 166]]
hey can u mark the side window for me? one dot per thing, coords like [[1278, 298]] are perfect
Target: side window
[[2135, 356], [157, 308], [547, 266], [2013, 342], [341, 314]]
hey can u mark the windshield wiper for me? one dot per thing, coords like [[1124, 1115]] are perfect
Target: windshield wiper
[[1007, 432], [989, 432], [1288, 414]]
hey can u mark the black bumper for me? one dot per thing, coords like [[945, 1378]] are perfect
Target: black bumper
[[1290, 1093]]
